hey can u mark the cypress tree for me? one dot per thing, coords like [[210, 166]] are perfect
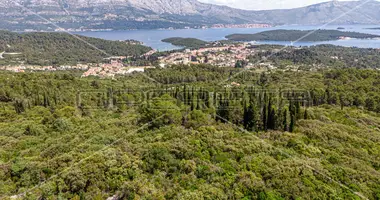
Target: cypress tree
[[328, 96], [285, 122], [250, 117], [292, 123], [184, 94], [199, 107], [19, 106], [207, 99], [264, 117], [305, 115], [192, 103], [215, 99], [189, 97], [223, 111], [271, 119], [297, 110], [245, 115], [46, 100], [38, 99], [341, 101], [110, 98]]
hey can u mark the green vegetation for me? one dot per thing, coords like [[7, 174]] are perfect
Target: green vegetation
[[321, 55], [62, 48], [298, 35], [186, 42], [90, 138]]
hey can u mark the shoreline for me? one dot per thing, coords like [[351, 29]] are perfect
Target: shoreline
[[200, 27]]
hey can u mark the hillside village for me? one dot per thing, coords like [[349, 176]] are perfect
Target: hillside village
[[104, 70], [227, 55], [222, 56], [233, 55]]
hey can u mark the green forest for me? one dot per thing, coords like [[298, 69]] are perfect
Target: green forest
[[326, 56], [62, 49], [191, 135], [298, 35], [186, 42]]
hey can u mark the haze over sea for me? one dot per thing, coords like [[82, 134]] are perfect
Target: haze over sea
[[153, 38]]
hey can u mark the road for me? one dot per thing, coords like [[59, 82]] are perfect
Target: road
[[3, 53]]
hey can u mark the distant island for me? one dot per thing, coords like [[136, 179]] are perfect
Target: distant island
[[298, 35], [375, 28], [185, 42]]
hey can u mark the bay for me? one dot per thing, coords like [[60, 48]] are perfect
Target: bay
[[153, 38]]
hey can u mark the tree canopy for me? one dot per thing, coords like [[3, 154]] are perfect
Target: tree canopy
[[273, 137]]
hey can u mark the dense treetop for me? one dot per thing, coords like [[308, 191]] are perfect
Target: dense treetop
[[89, 138], [327, 56], [198, 132]]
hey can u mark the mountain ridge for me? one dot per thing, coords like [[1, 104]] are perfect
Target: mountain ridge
[[138, 14]]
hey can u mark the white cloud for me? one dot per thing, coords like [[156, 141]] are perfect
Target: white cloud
[[264, 4]]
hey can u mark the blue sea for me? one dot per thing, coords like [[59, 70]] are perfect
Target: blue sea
[[153, 38]]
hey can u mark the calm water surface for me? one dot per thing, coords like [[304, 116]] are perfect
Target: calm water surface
[[153, 38]]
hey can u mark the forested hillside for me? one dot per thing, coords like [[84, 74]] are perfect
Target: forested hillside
[[186, 42], [62, 48], [298, 35], [272, 137], [321, 55]]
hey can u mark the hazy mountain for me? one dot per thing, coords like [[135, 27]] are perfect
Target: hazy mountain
[[126, 14], [337, 12]]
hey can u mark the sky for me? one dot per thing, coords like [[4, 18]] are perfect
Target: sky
[[264, 4]]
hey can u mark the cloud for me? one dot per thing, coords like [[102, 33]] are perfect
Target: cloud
[[263, 4]]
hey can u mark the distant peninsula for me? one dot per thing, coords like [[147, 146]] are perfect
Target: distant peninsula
[[298, 35], [375, 28], [61, 48], [185, 42]]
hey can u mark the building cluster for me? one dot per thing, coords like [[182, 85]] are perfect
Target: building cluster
[[23, 68], [106, 70], [241, 26], [114, 67], [223, 56]]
